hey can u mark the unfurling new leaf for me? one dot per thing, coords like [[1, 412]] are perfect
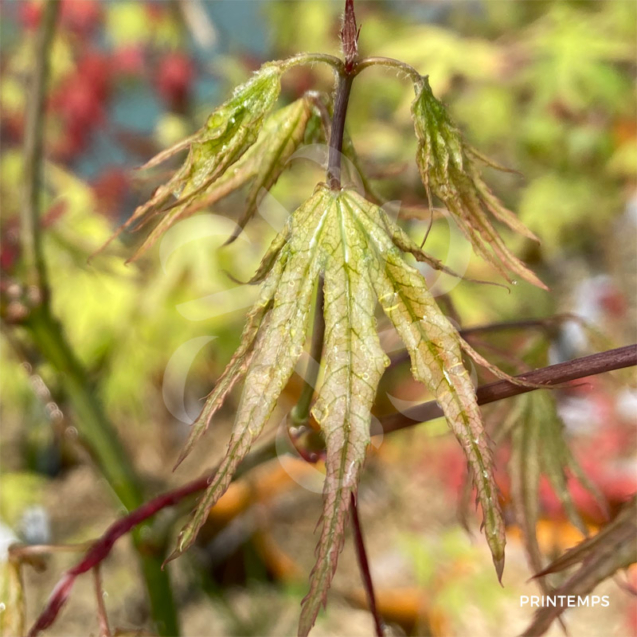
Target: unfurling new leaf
[[230, 131], [261, 165], [448, 170]]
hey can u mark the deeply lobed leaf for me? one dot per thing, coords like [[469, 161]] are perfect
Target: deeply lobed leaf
[[278, 346], [448, 171], [434, 347], [228, 133], [352, 244], [354, 364]]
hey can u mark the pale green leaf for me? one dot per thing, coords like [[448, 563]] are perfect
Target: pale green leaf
[[354, 364], [261, 165], [434, 348], [448, 171], [229, 131], [278, 345]]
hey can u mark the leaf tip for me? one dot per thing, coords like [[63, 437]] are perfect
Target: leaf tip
[[498, 562], [181, 458], [173, 556], [233, 237]]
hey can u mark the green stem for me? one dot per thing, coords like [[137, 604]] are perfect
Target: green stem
[[314, 58], [101, 439], [47, 334], [397, 65], [31, 231], [94, 429]]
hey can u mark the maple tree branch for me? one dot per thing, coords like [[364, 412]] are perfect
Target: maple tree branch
[[549, 376], [363, 564]]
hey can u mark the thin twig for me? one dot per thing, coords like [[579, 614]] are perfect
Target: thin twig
[[31, 231], [101, 548], [25, 551], [363, 564], [549, 376], [102, 617], [542, 323]]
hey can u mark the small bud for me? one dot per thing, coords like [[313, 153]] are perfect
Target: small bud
[[349, 35]]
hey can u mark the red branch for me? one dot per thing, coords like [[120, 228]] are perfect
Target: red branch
[[102, 547], [549, 376], [363, 564]]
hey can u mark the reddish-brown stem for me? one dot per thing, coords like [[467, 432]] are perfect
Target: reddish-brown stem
[[343, 90], [349, 40], [102, 547], [549, 376], [349, 36], [363, 564]]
